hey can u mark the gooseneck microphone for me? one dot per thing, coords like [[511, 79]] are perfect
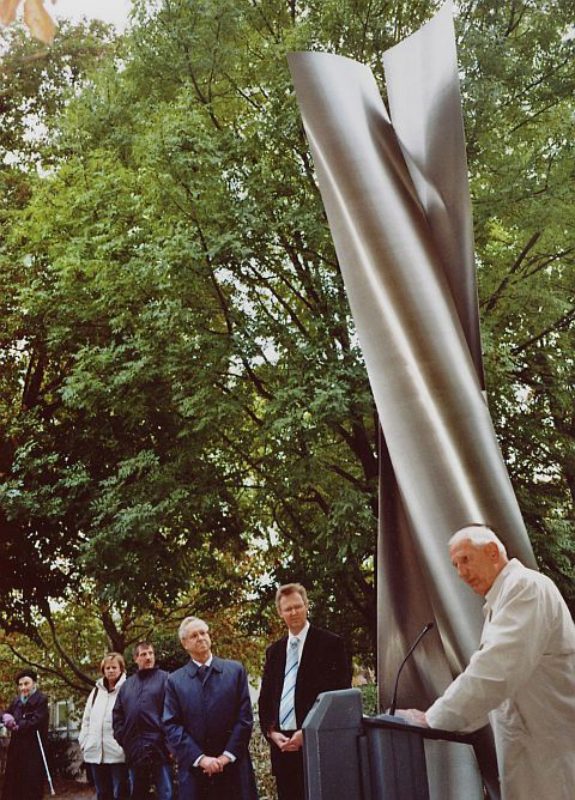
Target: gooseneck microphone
[[422, 633]]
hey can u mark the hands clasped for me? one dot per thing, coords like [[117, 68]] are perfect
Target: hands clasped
[[210, 765], [287, 744]]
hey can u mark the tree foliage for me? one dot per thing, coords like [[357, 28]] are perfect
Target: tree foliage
[[183, 402]]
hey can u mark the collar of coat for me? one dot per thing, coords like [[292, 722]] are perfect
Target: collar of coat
[[513, 565], [217, 665], [101, 686]]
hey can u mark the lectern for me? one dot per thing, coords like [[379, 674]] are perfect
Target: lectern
[[351, 757]]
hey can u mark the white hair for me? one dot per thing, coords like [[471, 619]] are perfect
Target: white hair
[[478, 534], [185, 623]]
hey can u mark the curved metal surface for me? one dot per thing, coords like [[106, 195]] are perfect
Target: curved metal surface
[[425, 105], [400, 267]]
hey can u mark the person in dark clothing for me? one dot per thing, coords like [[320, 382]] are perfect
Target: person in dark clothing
[[208, 719], [26, 717], [137, 723], [307, 661]]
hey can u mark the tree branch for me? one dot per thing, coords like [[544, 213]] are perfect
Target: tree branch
[[562, 322], [492, 302]]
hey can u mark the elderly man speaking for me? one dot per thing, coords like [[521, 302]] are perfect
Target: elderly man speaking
[[523, 672]]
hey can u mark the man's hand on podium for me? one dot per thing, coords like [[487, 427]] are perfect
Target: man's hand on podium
[[413, 716]]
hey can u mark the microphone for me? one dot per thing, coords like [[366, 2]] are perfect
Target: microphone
[[422, 633]]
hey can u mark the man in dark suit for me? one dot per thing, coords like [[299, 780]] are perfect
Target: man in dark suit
[[298, 667], [208, 721]]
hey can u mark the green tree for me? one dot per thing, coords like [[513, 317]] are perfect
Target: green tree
[[36, 84], [191, 403]]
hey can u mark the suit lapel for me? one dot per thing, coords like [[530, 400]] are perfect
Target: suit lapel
[[191, 669], [281, 657], [308, 654], [215, 669]]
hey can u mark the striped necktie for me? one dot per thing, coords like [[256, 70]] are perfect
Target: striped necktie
[[287, 702]]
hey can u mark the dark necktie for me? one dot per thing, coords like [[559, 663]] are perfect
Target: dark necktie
[[202, 671]]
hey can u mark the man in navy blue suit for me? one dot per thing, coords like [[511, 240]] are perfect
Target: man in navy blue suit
[[208, 721]]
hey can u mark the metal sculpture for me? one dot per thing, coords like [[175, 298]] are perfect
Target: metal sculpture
[[397, 200]]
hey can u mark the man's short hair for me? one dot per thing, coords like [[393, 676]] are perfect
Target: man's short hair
[[185, 623], [146, 645], [113, 657], [478, 534], [290, 588]]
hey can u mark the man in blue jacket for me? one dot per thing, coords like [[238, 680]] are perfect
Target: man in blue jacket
[[137, 721], [208, 721]]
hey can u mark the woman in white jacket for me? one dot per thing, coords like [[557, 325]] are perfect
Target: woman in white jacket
[[99, 748]]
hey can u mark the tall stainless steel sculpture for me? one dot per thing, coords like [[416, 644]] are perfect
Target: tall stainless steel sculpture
[[396, 195]]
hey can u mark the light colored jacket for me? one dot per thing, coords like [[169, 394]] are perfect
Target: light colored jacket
[[523, 676], [96, 737]]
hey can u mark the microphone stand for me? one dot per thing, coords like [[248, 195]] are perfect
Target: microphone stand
[[422, 633]]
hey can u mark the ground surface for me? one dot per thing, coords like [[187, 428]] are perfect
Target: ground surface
[[72, 790]]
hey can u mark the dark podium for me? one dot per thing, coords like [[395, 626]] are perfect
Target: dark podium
[[351, 757]]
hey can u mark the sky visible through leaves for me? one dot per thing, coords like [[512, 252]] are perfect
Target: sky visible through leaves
[[40, 16]]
